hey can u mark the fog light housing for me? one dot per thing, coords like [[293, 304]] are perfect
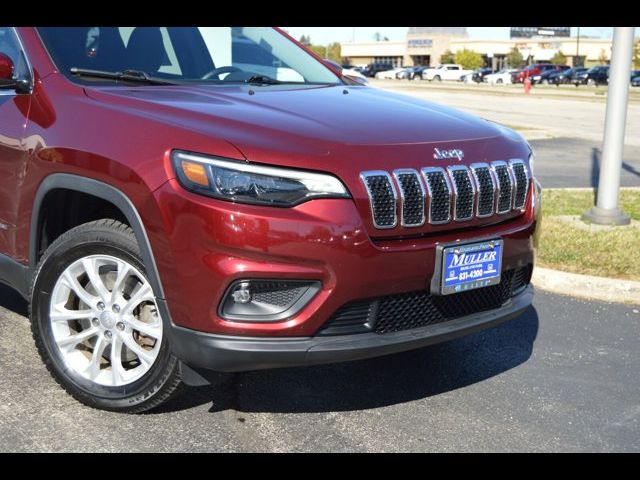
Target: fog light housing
[[259, 300]]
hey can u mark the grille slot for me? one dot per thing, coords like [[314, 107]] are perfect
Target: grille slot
[[382, 197], [521, 183], [404, 311], [486, 189], [505, 186], [412, 196], [464, 191], [439, 195]]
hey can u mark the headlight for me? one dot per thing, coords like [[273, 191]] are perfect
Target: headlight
[[242, 182], [531, 162]]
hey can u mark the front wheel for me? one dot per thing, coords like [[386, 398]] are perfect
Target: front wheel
[[499, 81], [437, 78], [96, 323]]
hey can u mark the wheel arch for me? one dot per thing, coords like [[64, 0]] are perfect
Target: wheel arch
[[108, 193]]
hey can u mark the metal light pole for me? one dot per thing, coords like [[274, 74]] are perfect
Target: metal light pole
[[606, 211], [577, 63]]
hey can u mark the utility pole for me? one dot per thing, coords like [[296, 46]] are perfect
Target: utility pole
[[578, 50], [606, 211]]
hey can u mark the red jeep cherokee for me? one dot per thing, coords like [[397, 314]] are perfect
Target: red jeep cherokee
[[180, 200]]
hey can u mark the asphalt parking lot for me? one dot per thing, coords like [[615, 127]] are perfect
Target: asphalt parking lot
[[562, 377]]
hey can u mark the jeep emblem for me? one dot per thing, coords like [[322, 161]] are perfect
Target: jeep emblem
[[448, 154]]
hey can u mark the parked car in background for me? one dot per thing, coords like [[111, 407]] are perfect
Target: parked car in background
[[501, 77], [348, 72], [447, 71], [537, 69], [388, 74], [478, 75], [635, 81], [371, 69], [543, 78], [405, 73], [417, 72], [564, 76], [595, 76]]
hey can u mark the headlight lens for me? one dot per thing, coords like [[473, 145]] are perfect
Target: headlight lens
[[254, 184], [531, 163]]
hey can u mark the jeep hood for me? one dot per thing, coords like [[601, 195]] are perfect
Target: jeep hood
[[324, 115]]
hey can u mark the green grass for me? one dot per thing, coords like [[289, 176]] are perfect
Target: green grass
[[606, 253]]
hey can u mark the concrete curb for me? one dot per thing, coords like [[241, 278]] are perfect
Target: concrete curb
[[587, 286]]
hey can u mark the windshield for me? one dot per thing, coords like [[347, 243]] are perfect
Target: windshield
[[185, 54]]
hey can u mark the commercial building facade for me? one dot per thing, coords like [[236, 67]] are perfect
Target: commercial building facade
[[426, 45]]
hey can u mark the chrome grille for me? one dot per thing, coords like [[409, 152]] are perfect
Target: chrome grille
[[505, 186], [521, 183], [437, 195], [382, 196], [486, 189], [412, 197], [464, 193]]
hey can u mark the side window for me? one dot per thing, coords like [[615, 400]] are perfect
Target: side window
[[10, 46]]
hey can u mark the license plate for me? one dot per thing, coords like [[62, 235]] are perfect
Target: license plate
[[470, 266]]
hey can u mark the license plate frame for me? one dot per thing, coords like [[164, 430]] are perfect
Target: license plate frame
[[473, 261]]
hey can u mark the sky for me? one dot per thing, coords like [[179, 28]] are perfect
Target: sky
[[325, 35]]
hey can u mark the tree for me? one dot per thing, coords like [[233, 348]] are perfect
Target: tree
[[377, 37], [514, 58], [447, 57], [469, 59], [331, 51], [602, 58], [559, 58], [636, 55], [305, 40]]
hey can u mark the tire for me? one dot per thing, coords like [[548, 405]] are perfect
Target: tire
[[146, 374], [437, 78], [499, 81]]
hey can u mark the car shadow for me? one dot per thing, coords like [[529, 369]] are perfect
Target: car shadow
[[12, 300], [373, 383]]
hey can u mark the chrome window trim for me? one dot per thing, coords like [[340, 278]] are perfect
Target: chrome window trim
[[425, 171], [494, 182], [494, 165], [512, 162], [13, 93], [396, 176], [450, 170], [378, 173]]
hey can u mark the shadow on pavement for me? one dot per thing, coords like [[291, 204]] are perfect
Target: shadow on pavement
[[12, 300], [371, 383]]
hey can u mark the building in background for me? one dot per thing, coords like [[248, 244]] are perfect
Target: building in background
[[426, 45]]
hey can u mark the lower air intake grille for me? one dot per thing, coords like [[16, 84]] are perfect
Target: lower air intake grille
[[394, 313]]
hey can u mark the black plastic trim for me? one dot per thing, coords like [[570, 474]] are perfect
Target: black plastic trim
[[236, 354], [15, 274]]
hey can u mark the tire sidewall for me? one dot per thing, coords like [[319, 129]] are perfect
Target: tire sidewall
[[53, 265]]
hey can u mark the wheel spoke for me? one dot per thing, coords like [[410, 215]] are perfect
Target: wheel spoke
[[145, 357], [74, 285], [71, 341], [117, 370], [92, 270], [61, 314], [93, 369], [123, 274], [153, 330], [143, 293]]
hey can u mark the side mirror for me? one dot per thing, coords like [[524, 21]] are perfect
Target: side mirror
[[357, 80], [7, 82]]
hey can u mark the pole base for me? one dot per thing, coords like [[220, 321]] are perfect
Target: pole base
[[606, 216]]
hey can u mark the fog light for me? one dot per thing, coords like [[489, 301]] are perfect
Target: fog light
[[242, 293], [266, 300]]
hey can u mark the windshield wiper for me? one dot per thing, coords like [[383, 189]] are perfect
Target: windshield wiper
[[262, 80], [136, 76]]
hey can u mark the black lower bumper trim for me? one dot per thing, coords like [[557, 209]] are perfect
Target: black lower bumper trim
[[226, 353]]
